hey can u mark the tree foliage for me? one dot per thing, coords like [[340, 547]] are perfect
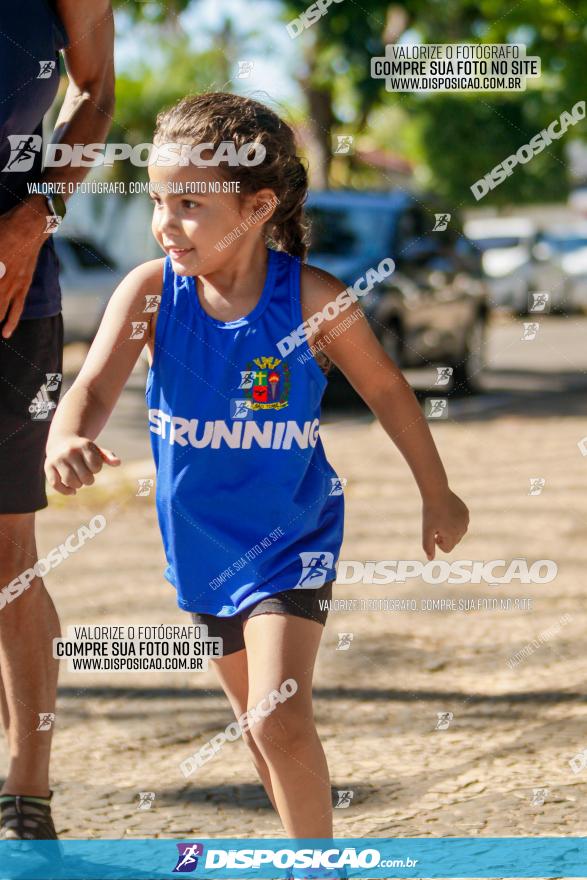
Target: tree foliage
[[456, 137]]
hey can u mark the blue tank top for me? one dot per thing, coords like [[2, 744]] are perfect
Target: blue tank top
[[31, 35], [247, 502]]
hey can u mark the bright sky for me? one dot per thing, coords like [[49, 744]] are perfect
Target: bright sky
[[257, 24]]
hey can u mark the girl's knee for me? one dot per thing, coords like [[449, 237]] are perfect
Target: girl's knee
[[282, 732], [249, 741]]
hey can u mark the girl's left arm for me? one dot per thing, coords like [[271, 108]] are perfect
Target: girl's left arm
[[357, 353]]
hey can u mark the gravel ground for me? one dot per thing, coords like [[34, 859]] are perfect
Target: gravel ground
[[515, 725]]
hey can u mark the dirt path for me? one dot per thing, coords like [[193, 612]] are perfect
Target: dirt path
[[513, 729]]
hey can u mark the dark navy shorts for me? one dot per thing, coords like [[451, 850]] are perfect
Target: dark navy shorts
[[299, 603], [30, 383]]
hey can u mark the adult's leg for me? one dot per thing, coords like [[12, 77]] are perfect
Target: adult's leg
[[4, 713], [280, 647], [28, 625], [233, 676]]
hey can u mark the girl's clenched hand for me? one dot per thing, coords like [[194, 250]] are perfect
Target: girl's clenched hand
[[444, 522], [72, 462]]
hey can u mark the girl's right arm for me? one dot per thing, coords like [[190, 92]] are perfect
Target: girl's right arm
[[72, 455]]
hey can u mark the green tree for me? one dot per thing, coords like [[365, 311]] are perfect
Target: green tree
[[455, 137], [142, 93]]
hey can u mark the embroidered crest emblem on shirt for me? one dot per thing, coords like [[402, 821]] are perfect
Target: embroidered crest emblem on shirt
[[266, 382]]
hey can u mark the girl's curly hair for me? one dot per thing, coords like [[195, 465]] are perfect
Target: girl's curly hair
[[216, 117]]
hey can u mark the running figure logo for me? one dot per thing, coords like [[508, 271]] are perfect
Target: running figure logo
[[239, 409], [444, 719], [314, 569], [24, 149], [437, 408], [52, 223], [152, 302], [187, 861], [46, 69], [344, 799], [530, 331], [139, 328], [539, 302], [344, 144], [46, 720], [539, 795], [245, 68], [537, 484], [146, 800], [441, 222], [444, 375]]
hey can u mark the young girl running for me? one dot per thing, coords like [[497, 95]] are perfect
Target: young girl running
[[251, 526]]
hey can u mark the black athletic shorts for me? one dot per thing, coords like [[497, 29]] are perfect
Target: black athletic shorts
[[31, 363], [299, 603]]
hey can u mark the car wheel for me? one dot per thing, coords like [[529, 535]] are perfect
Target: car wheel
[[468, 372], [521, 309], [566, 305]]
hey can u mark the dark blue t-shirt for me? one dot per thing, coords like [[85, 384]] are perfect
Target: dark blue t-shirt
[[31, 36]]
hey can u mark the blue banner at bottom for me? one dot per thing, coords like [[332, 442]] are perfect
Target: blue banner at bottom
[[233, 858]]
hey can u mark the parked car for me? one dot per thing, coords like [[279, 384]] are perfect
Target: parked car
[[561, 255], [432, 310], [88, 278], [506, 245]]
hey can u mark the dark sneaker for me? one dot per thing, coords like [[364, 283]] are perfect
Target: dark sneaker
[[24, 818]]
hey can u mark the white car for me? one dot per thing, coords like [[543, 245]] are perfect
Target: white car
[[562, 251], [88, 278], [506, 245]]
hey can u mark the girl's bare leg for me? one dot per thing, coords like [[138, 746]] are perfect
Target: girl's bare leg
[[280, 647], [233, 676]]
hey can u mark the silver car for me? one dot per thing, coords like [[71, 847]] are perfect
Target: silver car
[[561, 266], [506, 247]]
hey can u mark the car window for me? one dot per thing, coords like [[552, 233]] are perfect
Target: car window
[[345, 232], [564, 244], [469, 254], [414, 241], [412, 224], [498, 242]]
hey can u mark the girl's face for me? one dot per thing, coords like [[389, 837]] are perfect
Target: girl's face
[[191, 219]]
